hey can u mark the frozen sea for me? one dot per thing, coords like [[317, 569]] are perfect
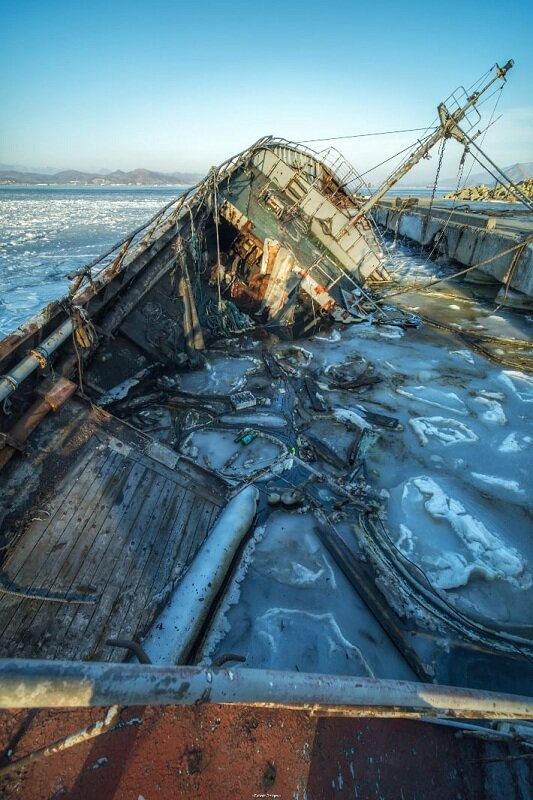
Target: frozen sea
[[47, 231]]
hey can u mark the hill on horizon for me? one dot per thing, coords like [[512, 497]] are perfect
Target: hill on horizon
[[516, 172], [135, 177]]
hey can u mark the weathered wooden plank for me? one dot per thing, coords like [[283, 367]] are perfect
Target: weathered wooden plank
[[60, 510], [102, 556], [40, 619], [41, 568], [197, 536], [129, 622], [170, 567], [196, 516], [187, 477], [84, 552], [126, 594], [125, 526], [113, 565], [50, 510], [184, 541]]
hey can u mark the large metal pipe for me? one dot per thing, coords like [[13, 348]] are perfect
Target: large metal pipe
[[10, 382], [176, 628], [61, 684]]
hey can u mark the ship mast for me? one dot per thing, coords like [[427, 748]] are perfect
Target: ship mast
[[448, 127]]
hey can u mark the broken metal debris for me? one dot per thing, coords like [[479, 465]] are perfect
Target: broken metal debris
[[242, 400]]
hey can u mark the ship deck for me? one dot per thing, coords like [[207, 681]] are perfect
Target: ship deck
[[112, 525]]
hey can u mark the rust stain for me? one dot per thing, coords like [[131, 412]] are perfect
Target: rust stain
[[241, 752]]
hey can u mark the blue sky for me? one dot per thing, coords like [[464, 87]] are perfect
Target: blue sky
[[183, 85]]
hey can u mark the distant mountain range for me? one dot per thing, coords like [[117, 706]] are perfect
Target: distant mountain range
[[516, 173], [136, 177]]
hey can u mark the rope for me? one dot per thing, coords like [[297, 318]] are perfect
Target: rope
[[223, 319], [399, 153]]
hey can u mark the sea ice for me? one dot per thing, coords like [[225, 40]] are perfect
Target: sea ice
[[447, 431], [515, 443], [494, 413], [493, 480], [334, 336], [406, 541], [305, 567], [466, 355], [390, 331], [519, 383], [489, 557], [434, 397], [284, 637], [348, 415]]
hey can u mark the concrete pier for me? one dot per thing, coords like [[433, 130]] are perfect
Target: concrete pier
[[470, 236]]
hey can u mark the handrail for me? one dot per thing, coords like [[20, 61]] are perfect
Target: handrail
[[36, 683]]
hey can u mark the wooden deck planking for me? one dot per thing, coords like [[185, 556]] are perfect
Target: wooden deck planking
[[114, 569], [171, 566], [34, 618], [125, 621], [102, 557], [198, 535], [169, 570], [184, 477], [40, 553], [123, 527], [60, 510]]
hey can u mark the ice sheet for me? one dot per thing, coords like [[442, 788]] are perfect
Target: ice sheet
[[290, 607], [446, 431], [467, 549]]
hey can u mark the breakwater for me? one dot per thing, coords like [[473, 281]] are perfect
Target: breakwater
[[500, 193], [494, 245]]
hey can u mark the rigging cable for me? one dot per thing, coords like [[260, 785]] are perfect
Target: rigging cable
[[362, 135]]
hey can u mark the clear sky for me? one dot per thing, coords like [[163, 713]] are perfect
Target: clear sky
[[172, 85]]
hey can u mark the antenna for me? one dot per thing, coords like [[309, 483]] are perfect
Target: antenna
[[448, 127]]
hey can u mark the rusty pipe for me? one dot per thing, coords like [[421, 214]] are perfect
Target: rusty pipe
[[60, 684], [10, 382], [50, 401]]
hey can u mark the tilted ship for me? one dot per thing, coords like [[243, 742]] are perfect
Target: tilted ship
[[120, 546]]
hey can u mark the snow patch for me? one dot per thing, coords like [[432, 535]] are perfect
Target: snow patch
[[334, 336], [348, 415], [434, 397], [407, 537], [494, 413], [466, 355]]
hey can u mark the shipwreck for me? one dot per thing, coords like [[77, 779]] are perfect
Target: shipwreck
[[163, 417]]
